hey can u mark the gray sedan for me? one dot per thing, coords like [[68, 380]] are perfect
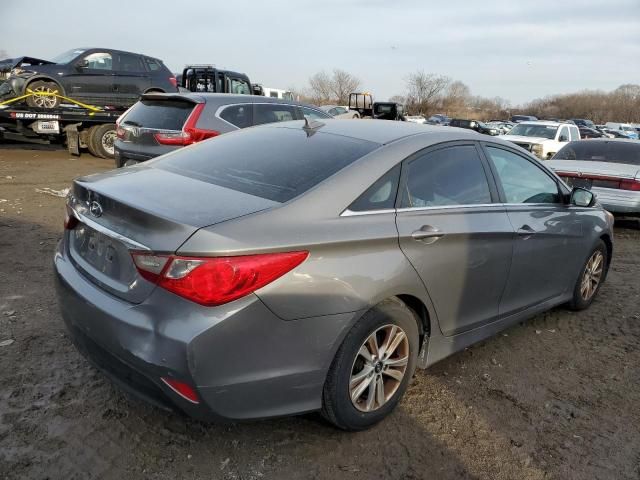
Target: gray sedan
[[299, 266], [339, 112]]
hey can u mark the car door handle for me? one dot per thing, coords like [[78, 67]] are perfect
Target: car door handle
[[526, 231], [427, 234]]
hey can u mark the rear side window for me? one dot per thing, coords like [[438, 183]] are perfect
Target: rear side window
[[273, 163], [152, 64], [575, 133], [239, 115], [239, 86], [314, 114], [450, 176], [130, 63], [616, 152], [381, 195], [273, 112], [159, 114]]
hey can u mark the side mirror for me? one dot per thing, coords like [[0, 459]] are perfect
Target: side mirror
[[563, 138], [581, 197], [83, 64]]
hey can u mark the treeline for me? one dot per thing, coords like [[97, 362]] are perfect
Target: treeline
[[428, 93], [620, 105]]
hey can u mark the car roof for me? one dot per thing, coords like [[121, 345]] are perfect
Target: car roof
[[380, 131], [221, 98], [591, 141], [546, 123]]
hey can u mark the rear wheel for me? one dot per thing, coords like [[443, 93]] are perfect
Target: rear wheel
[[102, 139], [91, 141], [591, 278], [45, 94], [372, 368]]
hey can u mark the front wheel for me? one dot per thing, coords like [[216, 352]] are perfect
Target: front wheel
[[44, 94], [372, 368], [102, 139], [591, 278]]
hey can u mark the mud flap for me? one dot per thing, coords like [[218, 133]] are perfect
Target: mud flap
[[73, 139]]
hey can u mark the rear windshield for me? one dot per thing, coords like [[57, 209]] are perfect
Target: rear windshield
[[160, 114], [273, 163], [615, 152]]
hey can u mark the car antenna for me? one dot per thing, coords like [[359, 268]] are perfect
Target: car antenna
[[311, 126]]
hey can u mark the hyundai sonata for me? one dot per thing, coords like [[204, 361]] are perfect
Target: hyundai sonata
[[298, 267]]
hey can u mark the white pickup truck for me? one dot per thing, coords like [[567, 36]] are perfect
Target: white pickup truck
[[543, 139]]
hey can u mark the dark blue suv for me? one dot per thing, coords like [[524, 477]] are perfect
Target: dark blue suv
[[96, 76]]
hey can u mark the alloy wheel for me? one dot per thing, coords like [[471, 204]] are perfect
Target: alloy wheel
[[45, 97], [592, 275], [379, 368]]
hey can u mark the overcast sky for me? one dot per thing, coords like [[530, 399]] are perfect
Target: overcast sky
[[498, 48]]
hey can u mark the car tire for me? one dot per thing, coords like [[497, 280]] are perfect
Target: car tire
[[130, 163], [90, 141], [355, 116], [592, 275], [43, 102], [344, 402], [101, 140]]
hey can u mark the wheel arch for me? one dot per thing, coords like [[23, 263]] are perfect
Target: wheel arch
[[154, 90], [609, 244], [45, 78]]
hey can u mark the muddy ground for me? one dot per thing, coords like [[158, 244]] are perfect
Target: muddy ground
[[557, 397]]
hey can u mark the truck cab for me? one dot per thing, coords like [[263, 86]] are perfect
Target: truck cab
[[208, 78]]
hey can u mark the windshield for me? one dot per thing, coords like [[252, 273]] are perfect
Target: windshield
[[613, 151], [67, 56], [534, 130]]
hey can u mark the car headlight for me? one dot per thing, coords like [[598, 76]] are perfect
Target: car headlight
[[537, 150]]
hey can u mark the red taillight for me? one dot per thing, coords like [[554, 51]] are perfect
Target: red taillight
[[173, 81], [183, 389], [120, 132], [212, 281], [630, 185], [189, 134]]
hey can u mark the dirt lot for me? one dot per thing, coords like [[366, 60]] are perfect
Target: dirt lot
[[557, 397]]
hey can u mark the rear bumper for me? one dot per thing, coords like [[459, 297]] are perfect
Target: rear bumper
[[618, 201], [137, 154], [244, 361]]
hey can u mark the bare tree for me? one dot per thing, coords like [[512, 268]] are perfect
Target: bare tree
[[320, 88], [335, 88], [456, 98], [424, 90], [398, 99], [342, 84]]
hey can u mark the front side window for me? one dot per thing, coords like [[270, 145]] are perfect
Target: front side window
[[381, 195], [447, 177], [238, 115], [340, 110], [564, 134], [522, 181], [99, 61]]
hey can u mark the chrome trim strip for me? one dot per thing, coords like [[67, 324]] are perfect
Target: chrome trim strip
[[132, 244], [350, 213], [449, 207]]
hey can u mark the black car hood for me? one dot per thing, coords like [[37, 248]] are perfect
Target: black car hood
[[9, 64]]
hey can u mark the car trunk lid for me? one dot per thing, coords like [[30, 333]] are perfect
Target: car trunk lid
[[143, 209], [587, 173]]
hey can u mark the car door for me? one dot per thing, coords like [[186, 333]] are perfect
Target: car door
[[131, 78], [455, 233], [91, 80], [547, 230]]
